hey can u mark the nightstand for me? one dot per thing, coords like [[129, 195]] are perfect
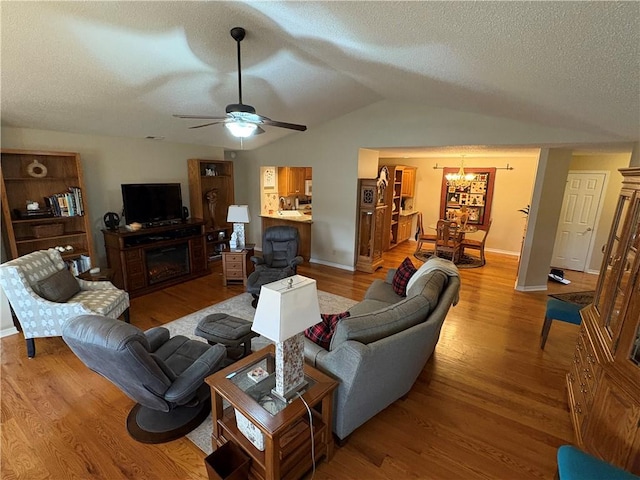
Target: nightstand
[[236, 265]]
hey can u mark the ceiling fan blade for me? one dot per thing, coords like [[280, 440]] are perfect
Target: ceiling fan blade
[[207, 124], [258, 131], [291, 126], [201, 117]]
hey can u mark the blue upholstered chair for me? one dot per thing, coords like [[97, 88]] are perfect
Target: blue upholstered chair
[[574, 464], [559, 310]]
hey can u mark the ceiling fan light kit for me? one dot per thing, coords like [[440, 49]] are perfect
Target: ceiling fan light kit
[[242, 120], [241, 129]]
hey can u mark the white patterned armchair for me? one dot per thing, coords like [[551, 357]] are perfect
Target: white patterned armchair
[[23, 277]]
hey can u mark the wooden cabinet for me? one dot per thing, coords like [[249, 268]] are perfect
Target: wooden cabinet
[[371, 216], [400, 187], [237, 265], [408, 181], [33, 176], [154, 258], [308, 173], [404, 227], [291, 181], [604, 381], [210, 194]]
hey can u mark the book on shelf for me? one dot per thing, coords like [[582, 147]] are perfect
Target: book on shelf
[[66, 204]]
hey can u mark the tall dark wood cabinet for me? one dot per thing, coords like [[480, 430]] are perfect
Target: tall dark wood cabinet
[[371, 215], [604, 380]]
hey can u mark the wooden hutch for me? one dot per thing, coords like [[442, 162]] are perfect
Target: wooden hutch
[[604, 380]]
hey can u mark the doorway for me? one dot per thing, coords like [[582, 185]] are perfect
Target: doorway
[[581, 206]]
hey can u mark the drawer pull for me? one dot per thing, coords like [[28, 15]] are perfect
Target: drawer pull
[[578, 408]]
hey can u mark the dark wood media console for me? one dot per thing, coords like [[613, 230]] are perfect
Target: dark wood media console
[[157, 257]]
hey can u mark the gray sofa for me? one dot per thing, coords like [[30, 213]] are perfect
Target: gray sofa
[[378, 351]]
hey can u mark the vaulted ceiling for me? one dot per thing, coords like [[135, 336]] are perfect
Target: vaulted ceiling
[[123, 68]]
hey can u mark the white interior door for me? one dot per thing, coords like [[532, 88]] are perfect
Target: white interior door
[[582, 199]]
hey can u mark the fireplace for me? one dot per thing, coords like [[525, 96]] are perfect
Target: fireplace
[[167, 263]]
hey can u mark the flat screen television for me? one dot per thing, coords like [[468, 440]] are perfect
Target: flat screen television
[[152, 203]]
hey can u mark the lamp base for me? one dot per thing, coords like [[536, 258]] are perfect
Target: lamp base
[[291, 394], [290, 367], [238, 229]]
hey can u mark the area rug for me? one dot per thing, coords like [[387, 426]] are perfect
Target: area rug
[[467, 261], [580, 298], [240, 306]]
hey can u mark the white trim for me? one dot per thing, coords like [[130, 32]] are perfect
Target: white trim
[[5, 332], [532, 288], [503, 252], [593, 272], [331, 264]]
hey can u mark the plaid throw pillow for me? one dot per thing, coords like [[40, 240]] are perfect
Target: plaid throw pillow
[[402, 276], [321, 333]]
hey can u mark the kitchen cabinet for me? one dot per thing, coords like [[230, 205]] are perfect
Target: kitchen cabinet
[[32, 176], [291, 181], [408, 181], [604, 381], [404, 227]]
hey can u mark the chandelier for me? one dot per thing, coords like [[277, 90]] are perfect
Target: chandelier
[[460, 180]]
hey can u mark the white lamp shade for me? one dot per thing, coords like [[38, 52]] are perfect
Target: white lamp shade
[[283, 312], [238, 214]]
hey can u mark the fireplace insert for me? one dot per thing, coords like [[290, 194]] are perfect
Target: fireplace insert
[[166, 263]]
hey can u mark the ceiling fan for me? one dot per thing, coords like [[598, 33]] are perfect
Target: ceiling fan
[[241, 119]]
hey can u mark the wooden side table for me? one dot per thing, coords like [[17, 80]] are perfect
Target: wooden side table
[[284, 428], [104, 275], [236, 265]]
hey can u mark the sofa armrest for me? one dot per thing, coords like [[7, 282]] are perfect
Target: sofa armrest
[[390, 273], [91, 285], [313, 351]]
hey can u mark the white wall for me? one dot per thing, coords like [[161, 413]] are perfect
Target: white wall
[[332, 149], [108, 162]]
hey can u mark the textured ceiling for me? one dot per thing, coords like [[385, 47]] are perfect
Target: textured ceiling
[[123, 68]]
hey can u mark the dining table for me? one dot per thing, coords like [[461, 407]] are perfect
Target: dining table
[[462, 230]]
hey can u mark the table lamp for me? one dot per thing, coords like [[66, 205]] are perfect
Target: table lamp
[[238, 215], [285, 309]]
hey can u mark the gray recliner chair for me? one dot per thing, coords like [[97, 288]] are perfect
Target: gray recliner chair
[[165, 376], [279, 259]]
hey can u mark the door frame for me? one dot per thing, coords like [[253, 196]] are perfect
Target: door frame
[[596, 220]]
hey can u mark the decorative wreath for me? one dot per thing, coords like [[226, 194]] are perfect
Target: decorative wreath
[[36, 169]]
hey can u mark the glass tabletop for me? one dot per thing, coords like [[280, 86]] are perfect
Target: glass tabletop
[[258, 379]]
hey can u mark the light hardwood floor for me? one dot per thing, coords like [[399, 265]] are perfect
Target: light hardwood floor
[[489, 404]]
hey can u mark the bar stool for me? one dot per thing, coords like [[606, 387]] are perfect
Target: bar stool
[[574, 464], [559, 310]]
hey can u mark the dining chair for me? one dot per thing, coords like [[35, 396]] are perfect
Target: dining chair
[[448, 240], [477, 244], [421, 236]]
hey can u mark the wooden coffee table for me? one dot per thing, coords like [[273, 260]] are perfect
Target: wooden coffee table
[[284, 428]]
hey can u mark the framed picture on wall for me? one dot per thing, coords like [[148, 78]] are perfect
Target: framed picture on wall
[[476, 195]]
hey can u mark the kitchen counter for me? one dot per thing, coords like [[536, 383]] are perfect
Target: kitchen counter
[[291, 216], [406, 213]]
